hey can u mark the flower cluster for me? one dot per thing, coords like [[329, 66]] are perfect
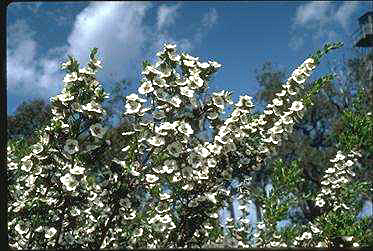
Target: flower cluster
[[164, 151], [336, 177]]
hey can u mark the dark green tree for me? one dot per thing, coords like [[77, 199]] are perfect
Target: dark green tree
[[28, 117], [337, 120]]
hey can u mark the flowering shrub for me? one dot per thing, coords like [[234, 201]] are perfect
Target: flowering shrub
[[61, 198]]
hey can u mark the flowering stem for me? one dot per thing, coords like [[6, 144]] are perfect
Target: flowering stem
[[108, 224], [62, 216]]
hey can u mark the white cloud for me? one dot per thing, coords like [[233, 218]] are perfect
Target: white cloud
[[210, 18], [184, 44], [344, 13], [26, 75], [116, 29], [320, 22], [313, 11], [166, 16], [296, 42]]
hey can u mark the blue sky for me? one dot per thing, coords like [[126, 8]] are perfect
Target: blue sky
[[239, 35]]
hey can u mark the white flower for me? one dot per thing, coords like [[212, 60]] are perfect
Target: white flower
[[176, 101], [69, 181], [155, 219], [150, 72], [281, 94], [185, 128], [151, 178], [194, 159], [97, 130], [173, 56], [159, 114], [174, 148], [330, 170], [197, 80], [326, 191], [276, 129], [211, 197], [97, 63], [189, 57], [347, 238], [287, 120], [18, 228], [65, 97], [50, 233], [169, 166], [12, 166], [218, 101], [87, 71], [202, 151], [349, 163], [245, 101], [211, 162], [309, 63], [340, 156], [186, 91], [135, 97], [71, 146], [290, 89], [166, 219], [214, 148], [26, 165], [260, 225], [193, 203], [320, 202], [298, 76], [131, 216], [306, 235], [165, 71], [161, 94], [169, 46], [187, 187], [296, 106], [77, 170], [156, 141], [203, 65], [188, 63], [70, 77], [138, 232], [315, 229], [158, 169], [30, 181], [146, 87], [215, 64], [325, 182], [132, 107], [164, 196], [212, 115], [93, 107], [65, 65], [277, 102]]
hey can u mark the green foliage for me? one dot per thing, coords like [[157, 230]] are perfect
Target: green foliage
[[356, 128], [270, 81], [286, 178], [145, 63], [327, 48], [29, 117]]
